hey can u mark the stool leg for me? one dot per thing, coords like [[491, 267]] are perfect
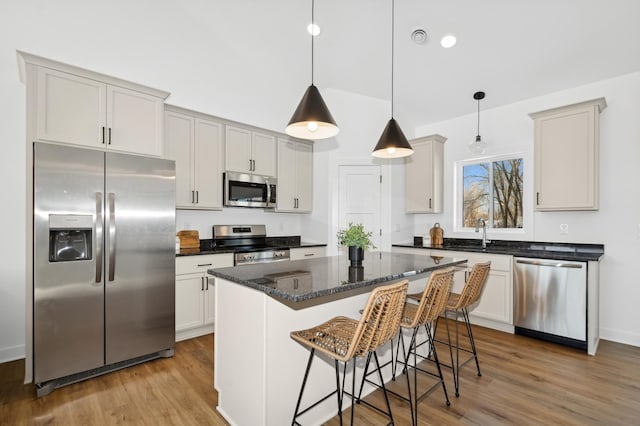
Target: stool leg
[[304, 382], [338, 392], [472, 341], [435, 357], [364, 376], [384, 389]]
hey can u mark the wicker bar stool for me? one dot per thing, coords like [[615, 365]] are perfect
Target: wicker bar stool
[[459, 304], [431, 303], [344, 339]]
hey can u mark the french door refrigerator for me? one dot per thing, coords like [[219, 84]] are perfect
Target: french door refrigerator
[[104, 262]]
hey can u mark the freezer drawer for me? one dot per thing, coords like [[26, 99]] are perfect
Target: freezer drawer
[[550, 296]]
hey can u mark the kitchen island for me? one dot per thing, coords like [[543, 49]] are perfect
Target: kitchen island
[[258, 368]]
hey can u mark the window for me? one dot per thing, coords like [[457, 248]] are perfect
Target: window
[[492, 189]]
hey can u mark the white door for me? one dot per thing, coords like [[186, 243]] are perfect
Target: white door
[[360, 189]]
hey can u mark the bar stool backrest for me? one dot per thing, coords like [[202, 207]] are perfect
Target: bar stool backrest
[[380, 318], [434, 297], [474, 285]]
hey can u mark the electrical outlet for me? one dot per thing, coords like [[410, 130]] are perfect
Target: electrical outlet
[[564, 228]]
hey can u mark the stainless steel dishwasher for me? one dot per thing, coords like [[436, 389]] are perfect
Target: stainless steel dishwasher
[[550, 300]]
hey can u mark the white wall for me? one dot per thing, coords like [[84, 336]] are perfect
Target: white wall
[[616, 224], [171, 45], [176, 46], [361, 120]]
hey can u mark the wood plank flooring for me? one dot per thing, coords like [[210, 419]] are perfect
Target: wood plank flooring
[[524, 381]]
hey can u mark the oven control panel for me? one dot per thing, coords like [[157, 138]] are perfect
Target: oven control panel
[[262, 256]]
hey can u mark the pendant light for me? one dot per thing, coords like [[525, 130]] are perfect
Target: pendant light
[[312, 119], [392, 143], [478, 146]]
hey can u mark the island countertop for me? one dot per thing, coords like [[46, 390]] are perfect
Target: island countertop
[[298, 281]]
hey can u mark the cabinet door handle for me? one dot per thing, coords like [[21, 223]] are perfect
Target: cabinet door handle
[[201, 283], [206, 279], [429, 202], [537, 198], [308, 254], [204, 264], [197, 197], [103, 140], [109, 135], [193, 197]]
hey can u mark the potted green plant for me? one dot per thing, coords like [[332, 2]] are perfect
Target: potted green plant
[[357, 239]]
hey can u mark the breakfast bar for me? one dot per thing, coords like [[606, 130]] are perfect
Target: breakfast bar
[[257, 367]]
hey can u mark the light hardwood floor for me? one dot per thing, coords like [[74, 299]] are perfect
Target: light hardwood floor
[[524, 381]]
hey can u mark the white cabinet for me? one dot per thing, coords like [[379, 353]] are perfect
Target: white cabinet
[[566, 156], [495, 307], [194, 141], [81, 109], [307, 252], [295, 176], [195, 295], [248, 151], [424, 177]]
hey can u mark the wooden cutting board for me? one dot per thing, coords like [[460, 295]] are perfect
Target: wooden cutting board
[[189, 239]]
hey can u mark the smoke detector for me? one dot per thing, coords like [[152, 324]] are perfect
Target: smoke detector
[[419, 36]]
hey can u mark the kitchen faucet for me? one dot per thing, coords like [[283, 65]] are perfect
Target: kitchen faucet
[[481, 222]]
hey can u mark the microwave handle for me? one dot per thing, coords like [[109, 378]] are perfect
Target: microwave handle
[[268, 192]]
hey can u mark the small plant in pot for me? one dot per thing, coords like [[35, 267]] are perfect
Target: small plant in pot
[[358, 240]]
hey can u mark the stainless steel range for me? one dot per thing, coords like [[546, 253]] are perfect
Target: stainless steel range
[[249, 243]]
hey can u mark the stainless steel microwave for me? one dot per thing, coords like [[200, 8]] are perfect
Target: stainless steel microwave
[[246, 190]]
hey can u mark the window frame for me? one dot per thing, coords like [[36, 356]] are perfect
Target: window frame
[[458, 189]]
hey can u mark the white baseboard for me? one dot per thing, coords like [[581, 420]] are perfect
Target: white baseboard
[[11, 353], [620, 336], [194, 332]]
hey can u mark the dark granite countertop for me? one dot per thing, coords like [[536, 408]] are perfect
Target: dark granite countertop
[[308, 279], [535, 249]]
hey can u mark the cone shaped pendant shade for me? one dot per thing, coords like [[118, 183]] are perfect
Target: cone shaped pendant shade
[[312, 119], [392, 143]]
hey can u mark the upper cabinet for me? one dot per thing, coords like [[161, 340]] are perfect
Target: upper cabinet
[[424, 175], [248, 151], [295, 176], [195, 142], [74, 106], [566, 156]]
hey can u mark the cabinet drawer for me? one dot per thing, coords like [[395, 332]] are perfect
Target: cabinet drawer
[[200, 263], [307, 253]]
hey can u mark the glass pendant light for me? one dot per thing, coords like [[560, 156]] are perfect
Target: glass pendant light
[[478, 146], [312, 119], [392, 143]]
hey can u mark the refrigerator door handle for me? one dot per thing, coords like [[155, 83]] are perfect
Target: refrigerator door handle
[[98, 225], [111, 199]]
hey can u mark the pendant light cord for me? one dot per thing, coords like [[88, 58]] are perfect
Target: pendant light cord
[[393, 8], [478, 117], [313, 22]]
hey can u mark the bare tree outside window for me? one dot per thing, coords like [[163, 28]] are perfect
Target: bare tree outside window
[[493, 192]]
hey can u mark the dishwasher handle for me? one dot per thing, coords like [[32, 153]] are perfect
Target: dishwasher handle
[[555, 264]]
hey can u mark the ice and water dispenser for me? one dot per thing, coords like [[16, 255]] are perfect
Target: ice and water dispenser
[[70, 237]]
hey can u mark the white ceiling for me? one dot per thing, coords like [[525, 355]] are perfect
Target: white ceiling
[[511, 49]]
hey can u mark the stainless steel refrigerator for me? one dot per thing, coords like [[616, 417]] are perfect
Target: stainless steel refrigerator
[[104, 262]]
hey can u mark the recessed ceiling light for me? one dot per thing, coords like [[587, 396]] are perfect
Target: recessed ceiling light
[[448, 41], [419, 36], [313, 29]]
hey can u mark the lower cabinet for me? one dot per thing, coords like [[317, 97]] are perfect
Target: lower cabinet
[[307, 252], [495, 307], [195, 295]]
